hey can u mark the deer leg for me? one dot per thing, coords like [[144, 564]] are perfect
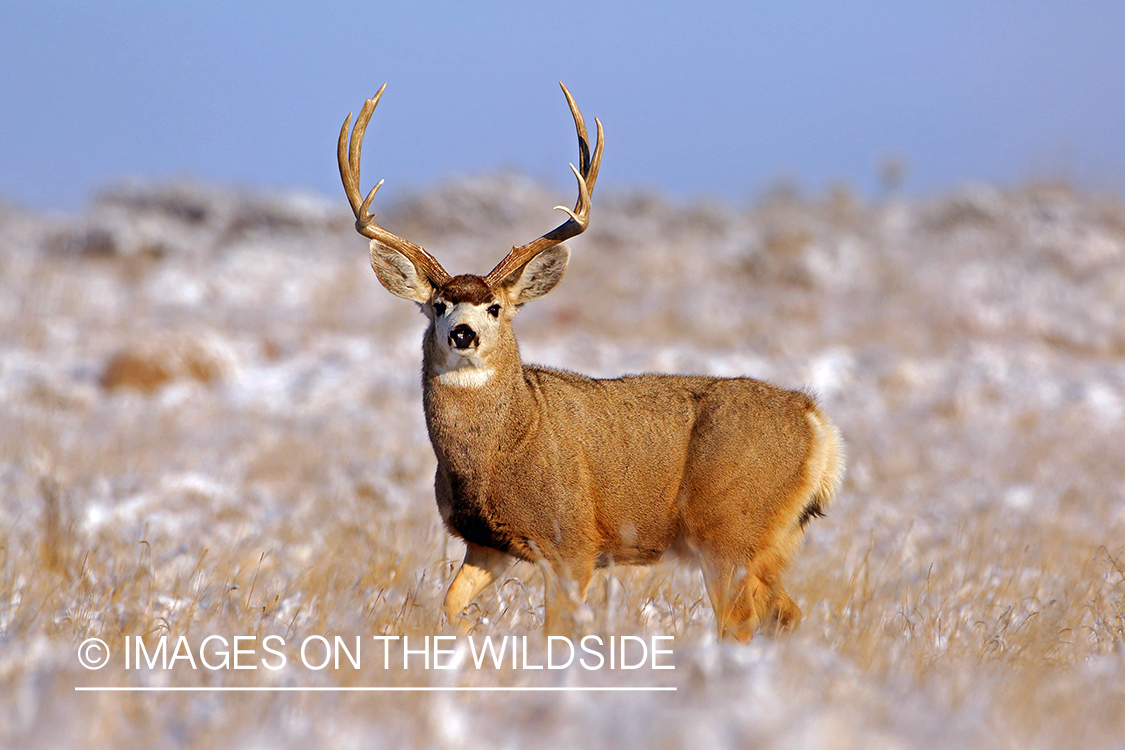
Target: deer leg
[[739, 599], [783, 611], [481, 567], [564, 595]]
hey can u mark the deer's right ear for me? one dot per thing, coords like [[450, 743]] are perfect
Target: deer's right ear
[[538, 276], [398, 274]]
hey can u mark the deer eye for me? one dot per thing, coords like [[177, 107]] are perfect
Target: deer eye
[[494, 311], [439, 309]]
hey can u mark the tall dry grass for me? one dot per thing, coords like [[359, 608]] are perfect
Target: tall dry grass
[[967, 590]]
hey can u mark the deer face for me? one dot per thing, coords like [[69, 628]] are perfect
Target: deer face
[[466, 320], [469, 319], [470, 316]]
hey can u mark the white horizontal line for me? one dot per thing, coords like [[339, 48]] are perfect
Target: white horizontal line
[[287, 689]]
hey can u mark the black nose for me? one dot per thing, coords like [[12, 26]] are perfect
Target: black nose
[[462, 337]]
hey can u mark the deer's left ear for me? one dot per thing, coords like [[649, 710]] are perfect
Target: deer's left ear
[[538, 276], [399, 274]]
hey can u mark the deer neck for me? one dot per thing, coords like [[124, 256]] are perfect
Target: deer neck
[[472, 412]]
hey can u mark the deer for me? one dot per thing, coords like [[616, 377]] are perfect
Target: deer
[[573, 473]]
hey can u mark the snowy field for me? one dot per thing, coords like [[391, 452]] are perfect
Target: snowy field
[[212, 426]]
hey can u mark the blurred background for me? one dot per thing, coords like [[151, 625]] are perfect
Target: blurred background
[[210, 411], [721, 99]]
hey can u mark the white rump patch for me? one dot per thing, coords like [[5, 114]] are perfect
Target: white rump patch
[[825, 464], [466, 377]]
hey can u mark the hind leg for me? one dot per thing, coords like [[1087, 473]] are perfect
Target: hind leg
[[745, 597], [784, 614], [738, 597]]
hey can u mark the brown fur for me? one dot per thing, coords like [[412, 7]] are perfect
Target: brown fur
[[467, 288], [547, 465], [557, 468]]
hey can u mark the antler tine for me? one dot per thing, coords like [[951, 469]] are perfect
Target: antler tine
[[589, 167], [348, 156], [579, 219]]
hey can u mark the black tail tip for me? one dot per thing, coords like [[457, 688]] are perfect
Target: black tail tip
[[811, 511]]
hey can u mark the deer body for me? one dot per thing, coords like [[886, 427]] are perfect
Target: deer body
[[553, 467], [652, 453]]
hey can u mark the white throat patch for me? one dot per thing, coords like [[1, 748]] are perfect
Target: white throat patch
[[466, 377]]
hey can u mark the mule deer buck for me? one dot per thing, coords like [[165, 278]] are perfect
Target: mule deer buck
[[555, 468]]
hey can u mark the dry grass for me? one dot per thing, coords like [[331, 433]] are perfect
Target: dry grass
[[968, 589]]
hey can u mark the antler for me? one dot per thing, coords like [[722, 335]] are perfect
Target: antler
[[348, 156], [579, 217]]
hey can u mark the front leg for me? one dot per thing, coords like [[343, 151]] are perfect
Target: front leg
[[482, 566], [565, 589]]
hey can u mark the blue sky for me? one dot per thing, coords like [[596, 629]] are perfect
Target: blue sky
[[704, 100]]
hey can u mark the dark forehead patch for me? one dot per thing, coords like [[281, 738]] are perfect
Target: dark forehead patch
[[467, 288]]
